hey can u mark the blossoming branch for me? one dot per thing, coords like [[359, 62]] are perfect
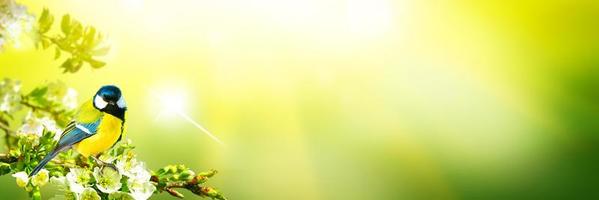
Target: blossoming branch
[[79, 177], [32, 123]]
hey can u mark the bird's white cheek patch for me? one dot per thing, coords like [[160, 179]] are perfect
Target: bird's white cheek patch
[[121, 102], [99, 102]]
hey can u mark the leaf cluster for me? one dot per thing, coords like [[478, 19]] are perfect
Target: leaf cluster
[[41, 99], [27, 153], [83, 43]]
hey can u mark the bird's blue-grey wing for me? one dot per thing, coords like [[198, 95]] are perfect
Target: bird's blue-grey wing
[[72, 134], [75, 132]]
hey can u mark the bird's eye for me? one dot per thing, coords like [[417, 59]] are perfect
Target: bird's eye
[[99, 102]]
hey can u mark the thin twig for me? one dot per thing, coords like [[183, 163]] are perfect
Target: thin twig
[[5, 158], [191, 185], [55, 114], [6, 129]]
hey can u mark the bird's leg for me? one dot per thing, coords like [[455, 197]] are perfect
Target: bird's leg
[[103, 164]]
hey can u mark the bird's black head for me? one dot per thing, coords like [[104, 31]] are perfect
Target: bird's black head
[[109, 99]]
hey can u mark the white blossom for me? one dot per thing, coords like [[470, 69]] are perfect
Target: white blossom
[[41, 178], [56, 91], [133, 168], [89, 194], [69, 100], [14, 22], [63, 186], [59, 92], [106, 157], [140, 190], [139, 177], [108, 180], [9, 95], [5, 103], [22, 178], [78, 179], [36, 126], [60, 180]]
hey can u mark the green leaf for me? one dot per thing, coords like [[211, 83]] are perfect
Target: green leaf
[[186, 175], [90, 36], [48, 24], [4, 168], [45, 21], [76, 31], [14, 152], [96, 63], [67, 65], [45, 43], [64, 45], [44, 15], [100, 51], [38, 92], [98, 40], [65, 24], [57, 53], [76, 64]]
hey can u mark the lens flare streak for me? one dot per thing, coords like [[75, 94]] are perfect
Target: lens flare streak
[[190, 120], [173, 103]]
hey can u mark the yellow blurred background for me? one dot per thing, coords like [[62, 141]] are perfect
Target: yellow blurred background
[[350, 99]]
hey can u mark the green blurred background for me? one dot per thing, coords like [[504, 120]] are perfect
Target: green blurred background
[[351, 99]]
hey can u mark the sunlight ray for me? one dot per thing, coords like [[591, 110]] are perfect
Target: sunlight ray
[[173, 103]]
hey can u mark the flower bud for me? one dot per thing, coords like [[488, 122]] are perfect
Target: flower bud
[[14, 152], [186, 175], [181, 168], [171, 169], [208, 191], [36, 194], [208, 174]]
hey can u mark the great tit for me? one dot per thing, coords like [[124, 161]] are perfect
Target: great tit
[[98, 125]]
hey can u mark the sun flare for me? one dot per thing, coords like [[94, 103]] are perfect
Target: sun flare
[[172, 103]]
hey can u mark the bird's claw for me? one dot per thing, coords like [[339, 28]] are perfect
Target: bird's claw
[[110, 165], [103, 164]]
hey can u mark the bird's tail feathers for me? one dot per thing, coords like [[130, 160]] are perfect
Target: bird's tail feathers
[[44, 161]]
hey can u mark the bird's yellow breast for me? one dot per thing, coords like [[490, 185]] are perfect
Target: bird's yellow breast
[[108, 133]]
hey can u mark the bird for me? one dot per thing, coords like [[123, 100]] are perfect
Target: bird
[[97, 126]]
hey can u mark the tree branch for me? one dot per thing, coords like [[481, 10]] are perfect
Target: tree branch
[[7, 135], [5, 158], [193, 185], [6, 129], [55, 114]]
